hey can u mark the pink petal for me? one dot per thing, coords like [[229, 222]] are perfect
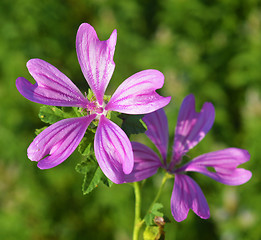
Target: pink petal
[[57, 142], [224, 164], [191, 126], [146, 163], [158, 130], [113, 150], [52, 87], [187, 195], [137, 95], [95, 58]]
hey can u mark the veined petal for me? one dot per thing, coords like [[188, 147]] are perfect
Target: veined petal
[[225, 163], [191, 126], [113, 150], [52, 87], [158, 130], [57, 142], [146, 163], [95, 58], [137, 95], [187, 195]]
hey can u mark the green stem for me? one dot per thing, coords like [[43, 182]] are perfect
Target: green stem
[[137, 220], [164, 179]]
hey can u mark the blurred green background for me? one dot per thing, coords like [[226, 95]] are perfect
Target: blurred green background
[[209, 48]]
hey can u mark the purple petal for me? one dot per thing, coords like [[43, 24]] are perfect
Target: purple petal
[[158, 130], [146, 163], [137, 95], [52, 87], [191, 126], [225, 163], [187, 195], [113, 150], [95, 58], [57, 142]]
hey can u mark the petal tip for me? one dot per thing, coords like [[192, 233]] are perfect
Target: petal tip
[[113, 37], [19, 82], [127, 168], [247, 176], [167, 100], [246, 155], [44, 165]]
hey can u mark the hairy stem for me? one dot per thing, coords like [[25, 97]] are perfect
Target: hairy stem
[[137, 220], [164, 179]]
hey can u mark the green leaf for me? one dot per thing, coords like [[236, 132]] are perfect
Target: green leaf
[[70, 112], [106, 98], [92, 175], [114, 116], [153, 213], [91, 179], [38, 131], [51, 114], [90, 94], [86, 145], [132, 124], [106, 181]]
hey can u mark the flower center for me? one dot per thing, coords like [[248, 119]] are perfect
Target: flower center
[[95, 108]]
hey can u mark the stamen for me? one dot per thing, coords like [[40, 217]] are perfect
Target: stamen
[[99, 110]]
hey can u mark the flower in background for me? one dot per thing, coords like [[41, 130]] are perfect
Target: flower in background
[[190, 130], [136, 95]]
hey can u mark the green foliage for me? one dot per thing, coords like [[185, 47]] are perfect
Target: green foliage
[[39, 130], [93, 175], [86, 145], [132, 124], [90, 95], [154, 212], [52, 114]]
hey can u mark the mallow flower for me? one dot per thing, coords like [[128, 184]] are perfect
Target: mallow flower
[[136, 95], [191, 128]]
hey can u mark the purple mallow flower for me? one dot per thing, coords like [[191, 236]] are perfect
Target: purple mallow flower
[[136, 95], [190, 130]]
